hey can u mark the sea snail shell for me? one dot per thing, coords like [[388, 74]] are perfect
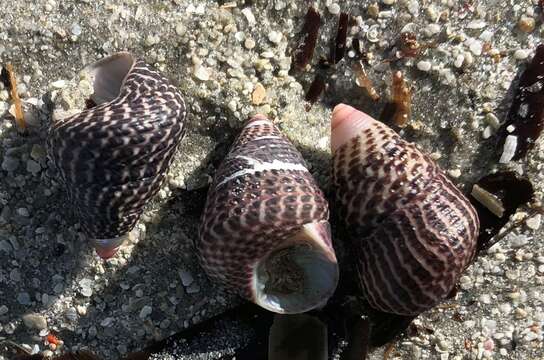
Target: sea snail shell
[[413, 231], [113, 157], [265, 230]]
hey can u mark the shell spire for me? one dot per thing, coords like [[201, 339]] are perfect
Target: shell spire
[[265, 230], [113, 157], [413, 231]]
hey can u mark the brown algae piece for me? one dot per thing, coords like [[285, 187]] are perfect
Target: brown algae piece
[[316, 89], [362, 80], [305, 50], [340, 41], [19, 115], [401, 96]]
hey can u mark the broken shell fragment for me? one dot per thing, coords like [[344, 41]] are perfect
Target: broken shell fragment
[[411, 230], [113, 156], [265, 232]]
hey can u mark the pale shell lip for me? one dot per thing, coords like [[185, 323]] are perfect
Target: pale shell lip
[[109, 75], [314, 260]]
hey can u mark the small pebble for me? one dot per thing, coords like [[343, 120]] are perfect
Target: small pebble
[[23, 298], [10, 164], [146, 311], [521, 54], [59, 84], [249, 43], [334, 8], [533, 223], [258, 95], [526, 24], [193, 289], [186, 278], [23, 212], [201, 73], [3, 310], [275, 37], [424, 65]]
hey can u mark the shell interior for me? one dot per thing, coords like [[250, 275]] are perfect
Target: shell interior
[[109, 75], [295, 278]]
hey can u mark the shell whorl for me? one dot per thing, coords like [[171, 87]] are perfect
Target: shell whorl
[[263, 207], [113, 157], [414, 232]]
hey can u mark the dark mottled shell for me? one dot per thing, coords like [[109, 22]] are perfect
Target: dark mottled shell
[[261, 195], [112, 158], [414, 232]]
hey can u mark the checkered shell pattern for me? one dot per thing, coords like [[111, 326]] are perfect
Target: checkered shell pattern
[[412, 230], [261, 194], [112, 158]]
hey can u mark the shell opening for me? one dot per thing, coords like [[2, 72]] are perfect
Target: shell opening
[[109, 75], [296, 278]]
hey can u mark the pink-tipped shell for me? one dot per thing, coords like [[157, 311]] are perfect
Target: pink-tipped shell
[[412, 231]]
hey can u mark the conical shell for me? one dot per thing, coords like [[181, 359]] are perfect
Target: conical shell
[[413, 231], [265, 231], [113, 157]]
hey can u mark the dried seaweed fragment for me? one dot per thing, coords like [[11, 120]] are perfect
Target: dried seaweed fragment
[[526, 117], [401, 96], [362, 80], [408, 45], [339, 48], [496, 197], [306, 46], [19, 115], [316, 89]]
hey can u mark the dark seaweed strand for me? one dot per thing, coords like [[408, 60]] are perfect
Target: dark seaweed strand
[[413, 230], [253, 205], [113, 158], [308, 39], [527, 112]]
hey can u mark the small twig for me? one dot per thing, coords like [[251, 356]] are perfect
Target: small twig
[[19, 115]]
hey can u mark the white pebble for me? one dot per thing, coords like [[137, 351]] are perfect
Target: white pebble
[[201, 73], [249, 16], [59, 84], [509, 150], [476, 48], [424, 65], [485, 299], [459, 61], [275, 37], [534, 222], [389, 2], [334, 8], [521, 54]]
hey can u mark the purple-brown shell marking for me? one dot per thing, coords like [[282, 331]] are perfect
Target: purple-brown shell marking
[[526, 117], [265, 231], [113, 157], [413, 231]]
